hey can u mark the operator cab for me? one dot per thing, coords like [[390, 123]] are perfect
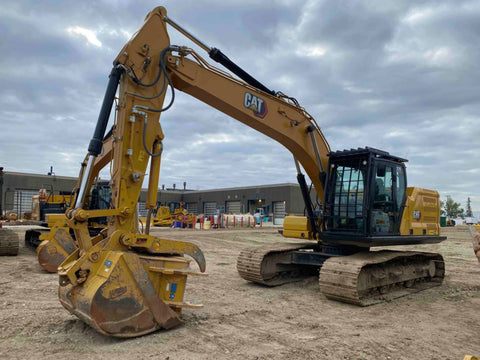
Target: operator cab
[[364, 197]]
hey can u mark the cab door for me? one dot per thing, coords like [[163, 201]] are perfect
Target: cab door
[[388, 197]]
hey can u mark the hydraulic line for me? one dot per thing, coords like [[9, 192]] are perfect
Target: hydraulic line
[[163, 69], [306, 199], [321, 174], [96, 143], [218, 56]]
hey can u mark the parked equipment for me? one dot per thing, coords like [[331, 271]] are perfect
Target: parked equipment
[[44, 206], [58, 241], [166, 215]]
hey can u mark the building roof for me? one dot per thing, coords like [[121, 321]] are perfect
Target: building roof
[[38, 175], [236, 188]]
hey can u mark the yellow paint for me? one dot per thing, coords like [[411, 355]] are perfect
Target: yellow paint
[[421, 215], [297, 227]]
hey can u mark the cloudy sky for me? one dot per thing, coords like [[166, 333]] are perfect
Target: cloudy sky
[[402, 76]]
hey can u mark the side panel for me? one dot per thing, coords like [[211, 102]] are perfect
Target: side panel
[[297, 227], [421, 215]]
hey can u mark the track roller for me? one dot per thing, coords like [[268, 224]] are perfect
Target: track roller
[[270, 264], [9, 242], [367, 278]]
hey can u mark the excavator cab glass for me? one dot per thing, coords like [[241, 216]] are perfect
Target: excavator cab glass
[[364, 195], [388, 196]]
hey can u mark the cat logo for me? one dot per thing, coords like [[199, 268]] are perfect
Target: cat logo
[[255, 104]]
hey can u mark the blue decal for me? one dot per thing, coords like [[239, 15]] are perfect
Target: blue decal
[[172, 296], [174, 288], [108, 263]]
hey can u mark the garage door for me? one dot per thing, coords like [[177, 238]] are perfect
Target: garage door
[[209, 208], [22, 201], [278, 212], [192, 208], [233, 207]]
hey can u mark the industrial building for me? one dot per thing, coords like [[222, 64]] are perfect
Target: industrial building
[[17, 189]]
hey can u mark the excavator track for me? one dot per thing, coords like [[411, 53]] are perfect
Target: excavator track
[[367, 278], [9, 242], [268, 264]]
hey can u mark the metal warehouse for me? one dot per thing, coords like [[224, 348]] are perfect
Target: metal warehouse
[[17, 189]]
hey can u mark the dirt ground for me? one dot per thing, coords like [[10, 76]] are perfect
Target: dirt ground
[[241, 320]]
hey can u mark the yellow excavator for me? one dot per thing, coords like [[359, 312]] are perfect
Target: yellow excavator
[[125, 283]]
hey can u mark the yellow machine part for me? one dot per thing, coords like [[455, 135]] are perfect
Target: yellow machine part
[[12, 216], [58, 199], [52, 219], [56, 245], [51, 199], [165, 218], [297, 227], [421, 215], [122, 293]]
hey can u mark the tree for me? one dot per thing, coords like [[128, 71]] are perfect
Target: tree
[[451, 208], [469, 212]]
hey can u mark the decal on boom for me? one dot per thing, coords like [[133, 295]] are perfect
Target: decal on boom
[[255, 104]]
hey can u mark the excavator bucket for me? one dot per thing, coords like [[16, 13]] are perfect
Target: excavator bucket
[[9, 242], [124, 293], [56, 246]]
